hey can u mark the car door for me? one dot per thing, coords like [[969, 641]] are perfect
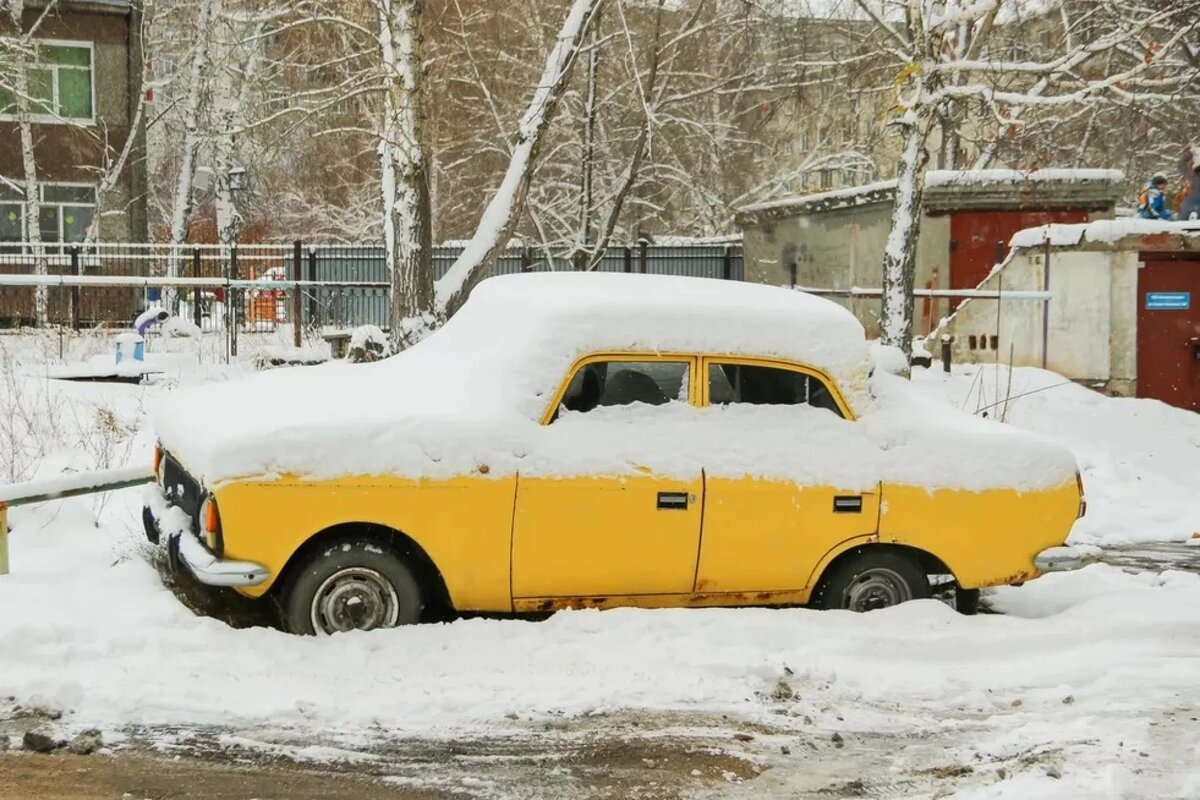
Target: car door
[[628, 524], [763, 534]]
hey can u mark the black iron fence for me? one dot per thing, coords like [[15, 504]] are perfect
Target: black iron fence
[[353, 280]]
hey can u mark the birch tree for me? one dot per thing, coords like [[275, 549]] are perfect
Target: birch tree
[[17, 53], [940, 54], [236, 64], [195, 89]]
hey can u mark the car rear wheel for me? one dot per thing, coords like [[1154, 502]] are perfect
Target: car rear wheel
[[348, 586], [870, 581]]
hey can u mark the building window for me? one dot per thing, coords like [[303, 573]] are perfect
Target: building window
[[67, 214], [61, 83]]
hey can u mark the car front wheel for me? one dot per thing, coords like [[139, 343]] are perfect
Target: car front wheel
[[351, 585], [870, 581]]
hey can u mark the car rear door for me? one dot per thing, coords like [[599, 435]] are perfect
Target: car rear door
[[766, 534]]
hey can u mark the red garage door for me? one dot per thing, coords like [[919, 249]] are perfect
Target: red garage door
[[979, 238], [1168, 333]]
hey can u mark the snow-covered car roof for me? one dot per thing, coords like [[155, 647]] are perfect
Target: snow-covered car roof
[[581, 312]]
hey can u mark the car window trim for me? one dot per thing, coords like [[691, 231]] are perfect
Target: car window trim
[[831, 385], [695, 384]]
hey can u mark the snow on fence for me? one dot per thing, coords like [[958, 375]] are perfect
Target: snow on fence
[[18, 494], [267, 286]]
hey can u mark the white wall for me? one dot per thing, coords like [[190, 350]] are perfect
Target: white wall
[[1090, 322]]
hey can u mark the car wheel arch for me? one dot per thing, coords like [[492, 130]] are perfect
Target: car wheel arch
[[852, 548], [433, 585]]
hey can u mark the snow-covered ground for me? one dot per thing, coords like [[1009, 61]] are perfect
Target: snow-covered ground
[[1083, 686]]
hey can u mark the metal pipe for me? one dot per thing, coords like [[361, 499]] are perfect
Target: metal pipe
[[1046, 307], [177, 282], [972, 294]]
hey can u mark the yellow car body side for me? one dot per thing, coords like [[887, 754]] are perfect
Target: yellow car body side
[[463, 524], [529, 543]]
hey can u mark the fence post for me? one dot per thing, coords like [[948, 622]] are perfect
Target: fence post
[[297, 308], [231, 302], [3, 538], [643, 257], [75, 270], [526, 258], [628, 258], [727, 264], [312, 294], [196, 290], [947, 341]]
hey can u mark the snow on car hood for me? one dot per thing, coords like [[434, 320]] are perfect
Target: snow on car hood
[[472, 395]]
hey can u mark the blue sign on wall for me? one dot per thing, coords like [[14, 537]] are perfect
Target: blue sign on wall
[[1168, 301]]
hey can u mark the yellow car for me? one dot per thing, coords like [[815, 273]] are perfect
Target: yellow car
[[575, 440]]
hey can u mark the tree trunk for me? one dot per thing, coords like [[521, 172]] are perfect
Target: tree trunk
[[407, 228], [900, 251], [181, 209], [232, 98], [33, 204], [587, 171]]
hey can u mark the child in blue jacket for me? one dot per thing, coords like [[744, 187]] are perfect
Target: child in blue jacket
[[1152, 201]]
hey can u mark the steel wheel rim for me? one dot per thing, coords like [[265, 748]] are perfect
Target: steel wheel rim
[[875, 588], [355, 599]]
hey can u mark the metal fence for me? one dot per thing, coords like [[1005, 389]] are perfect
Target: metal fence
[[342, 301]]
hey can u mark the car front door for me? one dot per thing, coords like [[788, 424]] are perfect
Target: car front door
[[768, 533], [607, 512]]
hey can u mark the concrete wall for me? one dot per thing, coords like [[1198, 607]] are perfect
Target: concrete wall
[[842, 248], [1090, 322]]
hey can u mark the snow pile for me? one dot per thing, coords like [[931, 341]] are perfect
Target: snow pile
[[1140, 458], [1108, 231]]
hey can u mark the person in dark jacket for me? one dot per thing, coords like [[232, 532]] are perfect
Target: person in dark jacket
[[1189, 207], [1152, 201]]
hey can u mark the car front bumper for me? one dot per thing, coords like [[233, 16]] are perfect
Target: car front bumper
[[1059, 559], [184, 550]]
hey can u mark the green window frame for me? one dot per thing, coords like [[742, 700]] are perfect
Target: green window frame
[[61, 80]]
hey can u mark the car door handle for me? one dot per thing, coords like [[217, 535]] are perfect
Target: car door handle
[[847, 504], [668, 501]]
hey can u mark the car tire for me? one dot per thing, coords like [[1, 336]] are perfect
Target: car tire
[[872, 579], [350, 585]]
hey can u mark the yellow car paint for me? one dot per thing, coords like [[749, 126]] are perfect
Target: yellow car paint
[[525, 543], [463, 524]]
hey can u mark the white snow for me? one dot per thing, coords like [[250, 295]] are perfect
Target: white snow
[[478, 387], [1106, 230], [111, 647], [474, 393], [88, 628]]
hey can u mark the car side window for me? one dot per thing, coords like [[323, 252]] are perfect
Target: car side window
[[758, 385], [620, 383]]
